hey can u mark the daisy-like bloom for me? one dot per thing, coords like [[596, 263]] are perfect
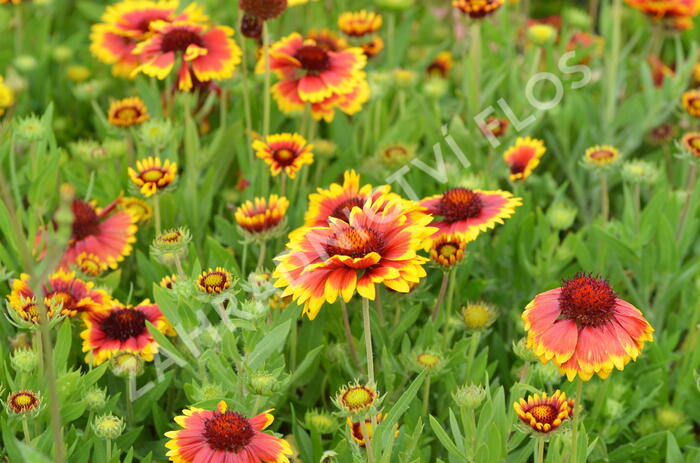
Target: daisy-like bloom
[[356, 428], [339, 200], [124, 24], [378, 244], [523, 157], [584, 328], [203, 54], [327, 39], [152, 175], [666, 9], [123, 328], [477, 8], [23, 403], [544, 414], [469, 212], [691, 102], [286, 152], [7, 96], [395, 154], [263, 9], [495, 126], [214, 281], [168, 281], [128, 112], [691, 142], [356, 398], [262, 217], [140, 210], [427, 360], [447, 250], [601, 155], [312, 74], [372, 47], [359, 23], [441, 65], [224, 436], [89, 264], [478, 316], [106, 233], [659, 70], [585, 44]]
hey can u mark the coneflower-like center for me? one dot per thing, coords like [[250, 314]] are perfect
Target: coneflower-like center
[[228, 432], [692, 142], [447, 249], [23, 401], [127, 113], [171, 237], [122, 324], [152, 175], [214, 282], [85, 220], [342, 210], [586, 300], [313, 58], [179, 39], [545, 413], [355, 242], [284, 156], [459, 204], [428, 360], [357, 397], [395, 150], [67, 301], [602, 155]]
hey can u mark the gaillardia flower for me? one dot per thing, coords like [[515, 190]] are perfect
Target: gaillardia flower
[[691, 142], [478, 316], [378, 244], [123, 328], [360, 23], [601, 156], [262, 218], [544, 414], [447, 250], [667, 9], [224, 436], [441, 65], [61, 291], [523, 157], [7, 96], [469, 212], [152, 175], [584, 328], [263, 9], [140, 210], [203, 54], [23, 403], [214, 281], [495, 127], [128, 112], [284, 152], [126, 23], [357, 432], [106, 233], [477, 8], [355, 398], [691, 102], [90, 265], [168, 281]]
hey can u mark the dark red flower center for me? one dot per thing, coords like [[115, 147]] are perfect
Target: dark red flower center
[[66, 300], [447, 249], [355, 242], [586, 300], [342, 210], [313, 58], [23, 401], [693, 143], [228, 432], [545, 413], [520, 161], [602, 154], [122, 324], [284, 156], [459, 204], [85, 220], [179, 40]]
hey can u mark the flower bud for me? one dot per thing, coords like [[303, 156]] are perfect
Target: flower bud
[[25, 63], [30, 129], [541, 34], [61, 53], [24, 360], [643, 172], [156, 133], [108, 427], [78, 73], [95, 399], [469, 396], [126, 364], [263, 383], [395, 5], [478, 316], [521, 351], [561, 216], [209, 391], [669, 418], [320, 422]]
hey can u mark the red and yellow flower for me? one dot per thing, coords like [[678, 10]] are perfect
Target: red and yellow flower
[[126, 23], [260, 215], [523, 157], [666, 9], [691, 102], [584, 328], [23, 403], [286, 152], [477, 8], [89, 264], [544, 414], [691, 142], [470, 212], [447, 250], [442, 64], [357, 432], [495, 126], [168, 281], [120, 328], [372, 47], [63, 291], [310, 73], [224, 436], [152, 175], [378, 244], [140, 210], [128, 112], [601, 155], [214, 281], [204, 54], [359, 23]]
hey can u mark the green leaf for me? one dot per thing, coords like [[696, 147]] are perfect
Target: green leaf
[[444, 438], [271, 343]]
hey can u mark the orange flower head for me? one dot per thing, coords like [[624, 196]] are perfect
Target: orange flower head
[[691, 142], [214, 281], [523, 157], [262, 217], [263, 9], [152, 175], [601, 156], [477, 9], [495, 126], [584, 328], [168, 281], [327, 39], [377, 245], [447, 250], [224, 436], [441, 65], [140, 210], [666, 9], [373, 47], [356, 429], [359, 23], [203, 54], [544, 414], [89, 264], [286, 152], [23, 403], [469, 212], [128, 112], [691, 102]]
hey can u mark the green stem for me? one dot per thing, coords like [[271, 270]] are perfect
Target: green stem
[[475, 67], [348, 334], [578, 406], [178, 266], [426, 395], [441, 296], [368, 440], [474, 343], [266, 95], [156, 213], [540, 450], [368, 339], [690, 187], [130, 385], [108, 451], [637, 203], [293, 341], [25, 428], [613, 63], [261, 256], [604, 198]]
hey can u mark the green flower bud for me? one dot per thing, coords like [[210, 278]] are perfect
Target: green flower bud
[[561, 216], [61, 53], [108, 427], [320, 422], [324, 148], [541, 34], [126, 364], [643, 172], [25, 63], [95, 399], [669, 418], [395, 5], [156, 133], [521, 350], [209, 391], [263, 383], [115, 147], [469, 396], [24, 360], [577, 19], [435, 87], [30, 129]]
